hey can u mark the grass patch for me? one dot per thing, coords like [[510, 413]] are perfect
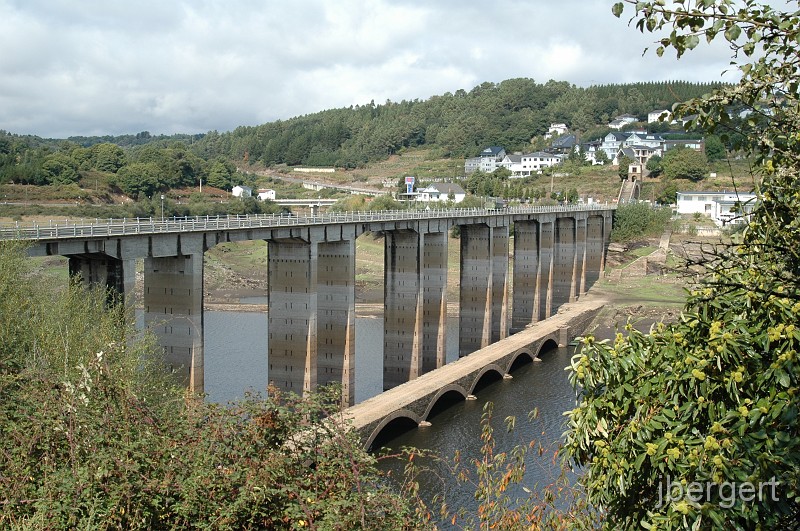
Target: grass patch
[[644, 251], [667, 290]]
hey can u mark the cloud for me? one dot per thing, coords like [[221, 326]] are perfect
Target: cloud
[[113, 67]]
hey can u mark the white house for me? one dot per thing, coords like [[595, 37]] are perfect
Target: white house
[[242, 191], [612, 143], [490, 157], [441, 192], [640, 138], [537, 161], [653, 116], [266, 195], [722, 207], [487, 161], [556, 129], [591, 150], [622, 120]]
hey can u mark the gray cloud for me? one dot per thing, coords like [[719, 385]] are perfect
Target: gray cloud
[[112, 67]]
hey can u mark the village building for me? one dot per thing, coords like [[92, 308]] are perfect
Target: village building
[[242, 191], [724, 208]]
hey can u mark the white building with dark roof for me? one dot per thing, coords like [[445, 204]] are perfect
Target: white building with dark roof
[[487, 161], [437, 192]]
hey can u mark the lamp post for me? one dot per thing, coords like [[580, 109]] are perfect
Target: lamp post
[[162, 207]]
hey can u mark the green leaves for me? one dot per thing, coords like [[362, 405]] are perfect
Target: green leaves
[[96, 435], [732, 33]]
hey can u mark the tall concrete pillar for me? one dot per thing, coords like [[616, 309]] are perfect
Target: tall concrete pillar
[[608, 225], [434, 312], [403, 307], [595, 249], [336, 312], [173, 309], [475, 313], [499, 237], [525, 308], [292, 323], [563, 263], [117, 277], [580, 256], [545, 278]]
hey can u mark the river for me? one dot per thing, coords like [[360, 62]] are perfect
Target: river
[[236, 361]]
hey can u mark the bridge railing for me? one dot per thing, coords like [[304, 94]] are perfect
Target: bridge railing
[[133, 226]]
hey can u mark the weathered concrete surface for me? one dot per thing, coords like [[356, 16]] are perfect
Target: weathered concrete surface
[[173, 310], [336, 313], [414, 400]]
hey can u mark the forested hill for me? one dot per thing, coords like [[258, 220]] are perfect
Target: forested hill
[[507, 114]]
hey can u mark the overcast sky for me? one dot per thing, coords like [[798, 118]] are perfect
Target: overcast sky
[[96, 67]]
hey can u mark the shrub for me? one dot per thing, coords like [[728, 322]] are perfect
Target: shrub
[[95, 434], [639, 220]]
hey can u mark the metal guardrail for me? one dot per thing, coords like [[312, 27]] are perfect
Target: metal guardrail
[[135, 226]]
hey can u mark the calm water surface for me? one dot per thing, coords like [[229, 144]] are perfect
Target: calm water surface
[[236, 361]]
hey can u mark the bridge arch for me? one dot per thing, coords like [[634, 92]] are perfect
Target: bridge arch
[[547, 346], [392, 425], [444, 398], [520, 358], [489, 374]]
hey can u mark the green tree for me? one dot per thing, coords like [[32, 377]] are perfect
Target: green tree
[[139, 180], [107, 157], [601, 157], [684, 163], [711, 401], [654, 166], [60, 169], [715, 149], [384, 202], [667, 194], [624, 164], [220, 173], [572, 195], [638, 220]]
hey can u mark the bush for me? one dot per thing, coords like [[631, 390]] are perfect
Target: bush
[[639, 220], [95, 435]]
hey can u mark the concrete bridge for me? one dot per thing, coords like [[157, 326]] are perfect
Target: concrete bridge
[[558, 252]]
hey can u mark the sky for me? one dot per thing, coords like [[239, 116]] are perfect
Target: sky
[[110, 67]]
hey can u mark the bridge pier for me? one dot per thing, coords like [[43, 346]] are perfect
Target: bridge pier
[[525, 308], [564, 267], [292, 321], [580, 256], [403, 307], [173, 309], [544, 283], [117, 277], [500, 242], [415, 305], [434, 313], [311, 318], [336, 316], [484, 278], [595, 249]]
